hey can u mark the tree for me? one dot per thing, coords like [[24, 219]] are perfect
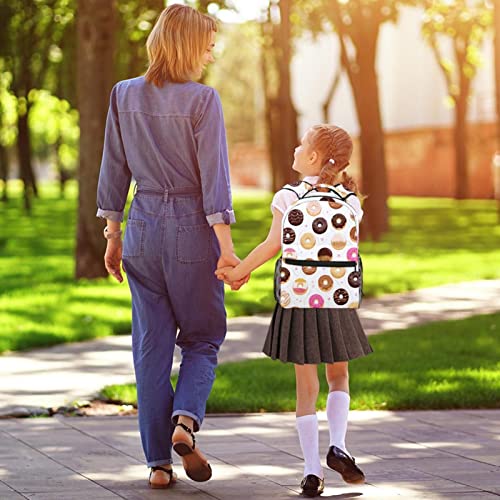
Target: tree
[[96, 23], [357, 25], [464, 24], [280, 113]]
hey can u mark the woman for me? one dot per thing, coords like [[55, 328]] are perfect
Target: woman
[[167, 132]]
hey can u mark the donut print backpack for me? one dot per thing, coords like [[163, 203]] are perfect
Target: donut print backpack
[[320, 266]]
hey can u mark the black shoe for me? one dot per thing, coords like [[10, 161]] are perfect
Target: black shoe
[[345, 465], [312, 486]]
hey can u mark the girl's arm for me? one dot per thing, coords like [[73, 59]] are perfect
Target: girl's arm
[[259, 255]]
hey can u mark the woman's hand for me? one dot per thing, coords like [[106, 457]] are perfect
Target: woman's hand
[[231, 260], [113, 258]]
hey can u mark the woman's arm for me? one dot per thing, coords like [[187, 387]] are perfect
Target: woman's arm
[[259, 255]]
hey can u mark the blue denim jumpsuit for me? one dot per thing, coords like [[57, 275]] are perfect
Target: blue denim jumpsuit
[[172, 141]]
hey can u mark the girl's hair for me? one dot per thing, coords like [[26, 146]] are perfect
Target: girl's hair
[[334, 146], [177, 43]]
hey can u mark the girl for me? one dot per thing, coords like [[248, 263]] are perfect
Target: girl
[[332, 336]]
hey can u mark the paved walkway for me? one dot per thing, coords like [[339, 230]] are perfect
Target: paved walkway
[[408, 455], [61, 374]]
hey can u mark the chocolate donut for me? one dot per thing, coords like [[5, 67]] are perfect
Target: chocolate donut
[[325, 283], [340, 296], [309, 269], [288, 235], [319, 225], [295, 183], [307, 241], [353, 234], [284, 275], [339, 221], [354, 279], [325, 254], [295, 217], [334, 204]]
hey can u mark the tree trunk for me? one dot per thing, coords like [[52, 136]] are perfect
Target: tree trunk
[[496, 31], [364, 84], [95, 28], [4, 171], [24, 155], [460, 145]]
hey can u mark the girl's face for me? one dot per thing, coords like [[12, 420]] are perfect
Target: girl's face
[[207, 57], [306, 160]]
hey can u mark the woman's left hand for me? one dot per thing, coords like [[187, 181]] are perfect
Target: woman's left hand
[[113, 258]]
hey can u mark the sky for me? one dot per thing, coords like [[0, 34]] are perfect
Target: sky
[[246, 10]]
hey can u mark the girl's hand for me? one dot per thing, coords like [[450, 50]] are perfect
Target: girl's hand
[[113, 258], [229, 276]]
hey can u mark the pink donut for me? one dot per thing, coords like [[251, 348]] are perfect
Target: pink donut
[[316, 301], [352, 254]]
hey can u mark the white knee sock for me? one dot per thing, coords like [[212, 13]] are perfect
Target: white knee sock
[[307, 427], [337, 412]]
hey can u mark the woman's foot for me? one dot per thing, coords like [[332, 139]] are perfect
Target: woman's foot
[[312, 486], [162, 477], [345, 465], [195, 464]]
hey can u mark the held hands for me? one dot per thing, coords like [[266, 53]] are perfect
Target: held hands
[[113, 259], [225, 271]]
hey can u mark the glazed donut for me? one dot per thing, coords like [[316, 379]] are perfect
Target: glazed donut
[[319, 225], [307, 241], [353, 305], [338, 242], [354, 279], [354, 235], [339, 221], [337, 272], [352, 254], [295, 217], [284, 275], [340, 296], [309, 269], [325, 283], [288, 235], [285, 299], [325, 254], [313, 208], [300, 286], [316, 301]]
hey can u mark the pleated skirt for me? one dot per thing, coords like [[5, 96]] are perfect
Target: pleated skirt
[[313, 336]]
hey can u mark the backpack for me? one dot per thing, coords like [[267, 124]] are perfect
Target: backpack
[[320, 266]]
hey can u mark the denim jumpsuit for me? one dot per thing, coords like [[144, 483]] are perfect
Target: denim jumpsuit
[[172, 141]]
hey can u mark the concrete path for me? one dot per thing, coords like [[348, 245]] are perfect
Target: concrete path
[[61, 374], [408, 455]]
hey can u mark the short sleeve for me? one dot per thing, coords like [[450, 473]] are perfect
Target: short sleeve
[[356, 205], [283, 199]]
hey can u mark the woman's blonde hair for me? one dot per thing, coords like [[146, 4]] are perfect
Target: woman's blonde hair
[[177, 43], [334, 146]]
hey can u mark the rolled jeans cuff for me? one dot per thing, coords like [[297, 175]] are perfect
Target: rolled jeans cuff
[[155, 463], [225, 217], [110, 214], [185, 413]]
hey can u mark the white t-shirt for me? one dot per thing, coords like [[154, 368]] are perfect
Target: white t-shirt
[[284, 198]]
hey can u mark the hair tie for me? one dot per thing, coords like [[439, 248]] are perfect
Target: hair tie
[[332, 161]]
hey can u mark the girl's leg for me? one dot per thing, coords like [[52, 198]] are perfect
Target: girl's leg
[[337, 405], [307, 385]]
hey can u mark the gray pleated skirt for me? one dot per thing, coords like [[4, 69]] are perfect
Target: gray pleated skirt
[[313, 336]]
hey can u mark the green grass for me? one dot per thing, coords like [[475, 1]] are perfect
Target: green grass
[[432, 242], [442, 365]]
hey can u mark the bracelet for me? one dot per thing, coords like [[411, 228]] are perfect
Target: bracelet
[[111, 236]]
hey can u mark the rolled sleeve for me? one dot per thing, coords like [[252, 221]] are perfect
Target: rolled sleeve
[[211, 144], [114, 176]]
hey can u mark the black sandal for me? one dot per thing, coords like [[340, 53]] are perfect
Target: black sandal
[[195, 464], [162, 486]]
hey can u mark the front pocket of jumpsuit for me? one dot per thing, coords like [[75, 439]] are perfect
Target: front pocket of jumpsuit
[[133, 244], [193, 244]]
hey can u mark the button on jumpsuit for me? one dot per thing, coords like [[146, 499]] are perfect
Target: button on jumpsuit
[[172, 141]]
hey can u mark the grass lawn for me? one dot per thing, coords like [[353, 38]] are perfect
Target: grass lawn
[[448, 364], [432, 241]]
